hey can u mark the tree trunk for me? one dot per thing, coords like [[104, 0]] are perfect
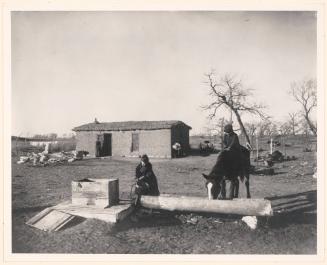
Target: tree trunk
[[252, 207], [311, 126], [293, 127], [238, 117], [222, 134]]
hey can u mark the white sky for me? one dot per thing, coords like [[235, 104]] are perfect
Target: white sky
[[70, 67]]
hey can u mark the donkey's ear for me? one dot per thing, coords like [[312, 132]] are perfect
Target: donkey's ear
[[205, 176]]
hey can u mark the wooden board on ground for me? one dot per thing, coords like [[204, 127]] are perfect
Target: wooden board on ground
[[56, 217], [50, 220], [111, 214], [252, 207]]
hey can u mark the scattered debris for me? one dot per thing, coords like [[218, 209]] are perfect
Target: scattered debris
[[290, 158], [23, 159], [277, 156], [251, 221], [268, 163], [206, 146], [45, 158], [264, 171], [307, 150], [192, 220], [71, 160]]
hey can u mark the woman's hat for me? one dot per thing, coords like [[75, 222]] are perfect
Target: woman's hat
[[145, 158]]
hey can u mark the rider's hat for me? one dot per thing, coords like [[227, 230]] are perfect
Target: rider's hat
[[228, 128]]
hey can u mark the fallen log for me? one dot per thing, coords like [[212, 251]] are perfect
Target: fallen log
[[252, 207]]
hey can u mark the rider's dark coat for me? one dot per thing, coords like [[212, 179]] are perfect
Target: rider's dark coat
[[231, 142]]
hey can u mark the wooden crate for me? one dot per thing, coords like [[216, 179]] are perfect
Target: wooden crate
[[95, 192]]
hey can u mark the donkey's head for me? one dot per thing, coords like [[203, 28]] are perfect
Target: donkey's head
[[213, 186]]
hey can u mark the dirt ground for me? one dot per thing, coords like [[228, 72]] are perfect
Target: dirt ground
[[292, 191]]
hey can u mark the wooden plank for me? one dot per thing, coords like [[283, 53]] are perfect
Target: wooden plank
[[50, 220], [39, 216], [252, 207], [111, 214]]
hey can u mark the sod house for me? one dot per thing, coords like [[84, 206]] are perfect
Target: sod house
[[132, 138]]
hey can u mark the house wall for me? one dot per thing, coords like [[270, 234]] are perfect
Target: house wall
[[154, 143], [86, 142]]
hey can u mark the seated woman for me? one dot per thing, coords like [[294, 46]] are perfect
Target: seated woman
[[146, 181]]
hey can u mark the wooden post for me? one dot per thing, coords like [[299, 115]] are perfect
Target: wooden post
[[252, 207], [271, 146], [257, 147]]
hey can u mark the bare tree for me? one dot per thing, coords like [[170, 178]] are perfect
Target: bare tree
[[251, 128], [272, 129], [267, 128], [293, 122], [305, 92], [230, 93], [285, 128]]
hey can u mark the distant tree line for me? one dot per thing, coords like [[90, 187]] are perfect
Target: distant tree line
[[52, 136]]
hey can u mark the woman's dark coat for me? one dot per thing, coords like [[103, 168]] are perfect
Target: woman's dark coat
[[149, 183]]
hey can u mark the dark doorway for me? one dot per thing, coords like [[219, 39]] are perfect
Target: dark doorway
[[103, 145]]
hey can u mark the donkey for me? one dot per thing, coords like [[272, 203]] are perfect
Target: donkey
[[229, 168]]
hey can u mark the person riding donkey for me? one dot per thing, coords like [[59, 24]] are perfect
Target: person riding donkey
[[231, 155]]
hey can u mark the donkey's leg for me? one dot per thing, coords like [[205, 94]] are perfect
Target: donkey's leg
[[230, 184], [247, 185], [236, 187], [222, 186], [217, 192]]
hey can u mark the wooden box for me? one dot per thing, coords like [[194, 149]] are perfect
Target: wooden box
[[95, 192]]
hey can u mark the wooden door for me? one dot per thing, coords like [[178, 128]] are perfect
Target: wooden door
[[103, 145], [135, 142], [107, 144]]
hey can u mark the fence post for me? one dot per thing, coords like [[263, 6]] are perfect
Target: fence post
[[257, 147]]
